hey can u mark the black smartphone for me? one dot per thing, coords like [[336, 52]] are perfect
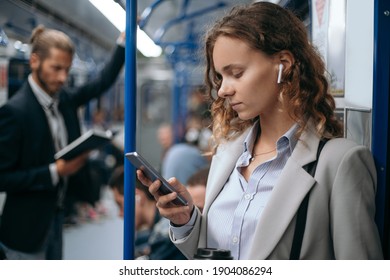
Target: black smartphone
[[140, 163]]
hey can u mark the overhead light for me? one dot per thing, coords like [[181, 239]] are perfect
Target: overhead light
[[117, 16]]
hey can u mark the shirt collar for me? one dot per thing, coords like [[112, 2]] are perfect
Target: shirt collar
[[251, 137], [289, 136], [43, 98]]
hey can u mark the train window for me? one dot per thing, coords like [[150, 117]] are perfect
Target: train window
[[18, 70], [155, 102]]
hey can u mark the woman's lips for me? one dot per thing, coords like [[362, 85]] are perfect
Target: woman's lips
[[235, 105]]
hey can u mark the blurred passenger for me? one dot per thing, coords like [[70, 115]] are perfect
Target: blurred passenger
[[142, 228], [152, 240], [165, 137], [196, 185], [40, 119], [99, 119], [102, 162], [199, 104], [184, 159]]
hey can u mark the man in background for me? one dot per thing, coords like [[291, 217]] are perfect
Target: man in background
[[40, 119], [152, 241]]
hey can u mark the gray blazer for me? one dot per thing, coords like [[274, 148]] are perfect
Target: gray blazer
[[340, 219]]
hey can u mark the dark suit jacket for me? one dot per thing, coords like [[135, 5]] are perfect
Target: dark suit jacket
[[27, 149]]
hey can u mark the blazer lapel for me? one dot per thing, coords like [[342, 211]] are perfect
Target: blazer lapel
[[222, 166], [291, 188]]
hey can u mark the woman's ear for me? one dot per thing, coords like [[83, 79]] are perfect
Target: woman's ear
[[286, 58]]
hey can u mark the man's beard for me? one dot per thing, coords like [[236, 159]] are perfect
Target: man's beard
[[42, 82]]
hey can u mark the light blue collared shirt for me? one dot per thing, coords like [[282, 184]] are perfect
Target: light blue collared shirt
[[233, 216]]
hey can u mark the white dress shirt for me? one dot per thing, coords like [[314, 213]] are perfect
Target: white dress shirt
[[55, 121]]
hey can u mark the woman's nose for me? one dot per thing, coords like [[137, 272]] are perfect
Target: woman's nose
[[225, 90]]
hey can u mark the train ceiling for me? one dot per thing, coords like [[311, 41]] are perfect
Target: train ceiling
[[170, 21]]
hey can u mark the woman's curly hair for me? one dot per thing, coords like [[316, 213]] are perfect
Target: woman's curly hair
[[269, 28]]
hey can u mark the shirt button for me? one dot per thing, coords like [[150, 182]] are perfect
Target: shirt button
[[235, 239], [247, 196]]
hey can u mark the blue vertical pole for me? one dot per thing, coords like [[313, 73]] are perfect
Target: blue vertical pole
[[380, 126], [130, 126]]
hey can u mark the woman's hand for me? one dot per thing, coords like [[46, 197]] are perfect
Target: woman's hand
[[178, 215]]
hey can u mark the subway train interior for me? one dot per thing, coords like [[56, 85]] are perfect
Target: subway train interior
[[351, 35]]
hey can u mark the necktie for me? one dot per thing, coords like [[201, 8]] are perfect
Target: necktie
[[59, 138], [57, 128]]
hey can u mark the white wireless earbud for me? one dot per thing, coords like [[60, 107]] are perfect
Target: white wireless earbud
[[280, 73]]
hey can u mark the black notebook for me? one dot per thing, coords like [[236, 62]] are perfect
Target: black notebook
[[90, 140]]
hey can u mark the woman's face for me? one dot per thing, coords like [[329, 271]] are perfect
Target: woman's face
[[248, 78]]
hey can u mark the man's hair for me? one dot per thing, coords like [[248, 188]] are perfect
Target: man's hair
[[116, 180], [43, 39]]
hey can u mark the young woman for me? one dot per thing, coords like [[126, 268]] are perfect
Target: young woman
[[271, 110]]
